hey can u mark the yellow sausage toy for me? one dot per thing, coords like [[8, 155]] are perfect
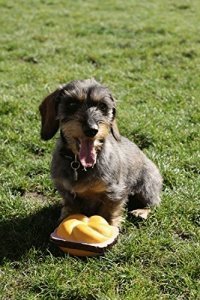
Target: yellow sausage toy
[[82, 236]]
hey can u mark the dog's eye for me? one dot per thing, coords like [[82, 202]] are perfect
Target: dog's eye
[[72, 106], [103, 107]]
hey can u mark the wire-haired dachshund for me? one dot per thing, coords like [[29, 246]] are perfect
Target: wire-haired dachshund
[[94, 168]]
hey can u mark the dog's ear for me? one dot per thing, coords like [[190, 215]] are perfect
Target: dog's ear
[[48, 111], [115, 131], [114, 127]]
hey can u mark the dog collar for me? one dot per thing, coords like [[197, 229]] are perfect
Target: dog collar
[[74, 163]]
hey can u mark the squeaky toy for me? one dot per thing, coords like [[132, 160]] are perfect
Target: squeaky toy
[[84, 236]]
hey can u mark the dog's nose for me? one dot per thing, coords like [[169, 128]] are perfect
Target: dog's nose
[[91, 131]]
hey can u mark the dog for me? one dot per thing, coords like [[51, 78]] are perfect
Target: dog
[[94, 168]]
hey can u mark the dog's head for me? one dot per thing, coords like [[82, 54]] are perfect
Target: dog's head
[[85, 112]]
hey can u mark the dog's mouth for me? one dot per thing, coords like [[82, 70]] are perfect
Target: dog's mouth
[[87, 153]]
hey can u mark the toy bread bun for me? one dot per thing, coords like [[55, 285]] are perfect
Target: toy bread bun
[[82, 236]]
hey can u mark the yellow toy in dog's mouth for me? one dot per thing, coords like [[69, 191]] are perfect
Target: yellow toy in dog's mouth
[[82, 236]]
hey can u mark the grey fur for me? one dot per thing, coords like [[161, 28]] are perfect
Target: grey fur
[[122, 172]]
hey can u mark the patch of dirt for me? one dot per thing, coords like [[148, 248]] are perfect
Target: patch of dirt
[[35, 197]]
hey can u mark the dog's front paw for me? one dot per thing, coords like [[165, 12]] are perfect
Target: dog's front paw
[[64, 214]]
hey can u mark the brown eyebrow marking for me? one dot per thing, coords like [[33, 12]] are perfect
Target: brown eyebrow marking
[[98, 94], [75, 94]]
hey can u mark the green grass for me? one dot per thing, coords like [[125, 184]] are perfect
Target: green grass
[[148, 53]]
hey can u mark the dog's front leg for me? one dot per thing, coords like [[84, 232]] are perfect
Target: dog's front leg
[[112, 211], [67, 207], [63, 187]]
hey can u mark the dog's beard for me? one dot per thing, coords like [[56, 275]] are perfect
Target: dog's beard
[[86, 149], [89, 148]]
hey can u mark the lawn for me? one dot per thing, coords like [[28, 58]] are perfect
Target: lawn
[[148, 54]]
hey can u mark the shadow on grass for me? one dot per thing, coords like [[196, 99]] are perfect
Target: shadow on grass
[[18, 234]]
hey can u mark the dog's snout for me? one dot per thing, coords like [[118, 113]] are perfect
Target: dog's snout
[[91, 130]]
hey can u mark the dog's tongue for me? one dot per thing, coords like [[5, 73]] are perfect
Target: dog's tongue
[[87, 153]]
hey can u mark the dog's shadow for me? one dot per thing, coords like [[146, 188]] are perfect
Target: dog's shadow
[[18, 235]]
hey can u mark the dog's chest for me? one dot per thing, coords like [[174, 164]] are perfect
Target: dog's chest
[[90, 189]]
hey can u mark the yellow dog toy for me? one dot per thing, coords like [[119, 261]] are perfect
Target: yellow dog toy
[[82, 236]]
